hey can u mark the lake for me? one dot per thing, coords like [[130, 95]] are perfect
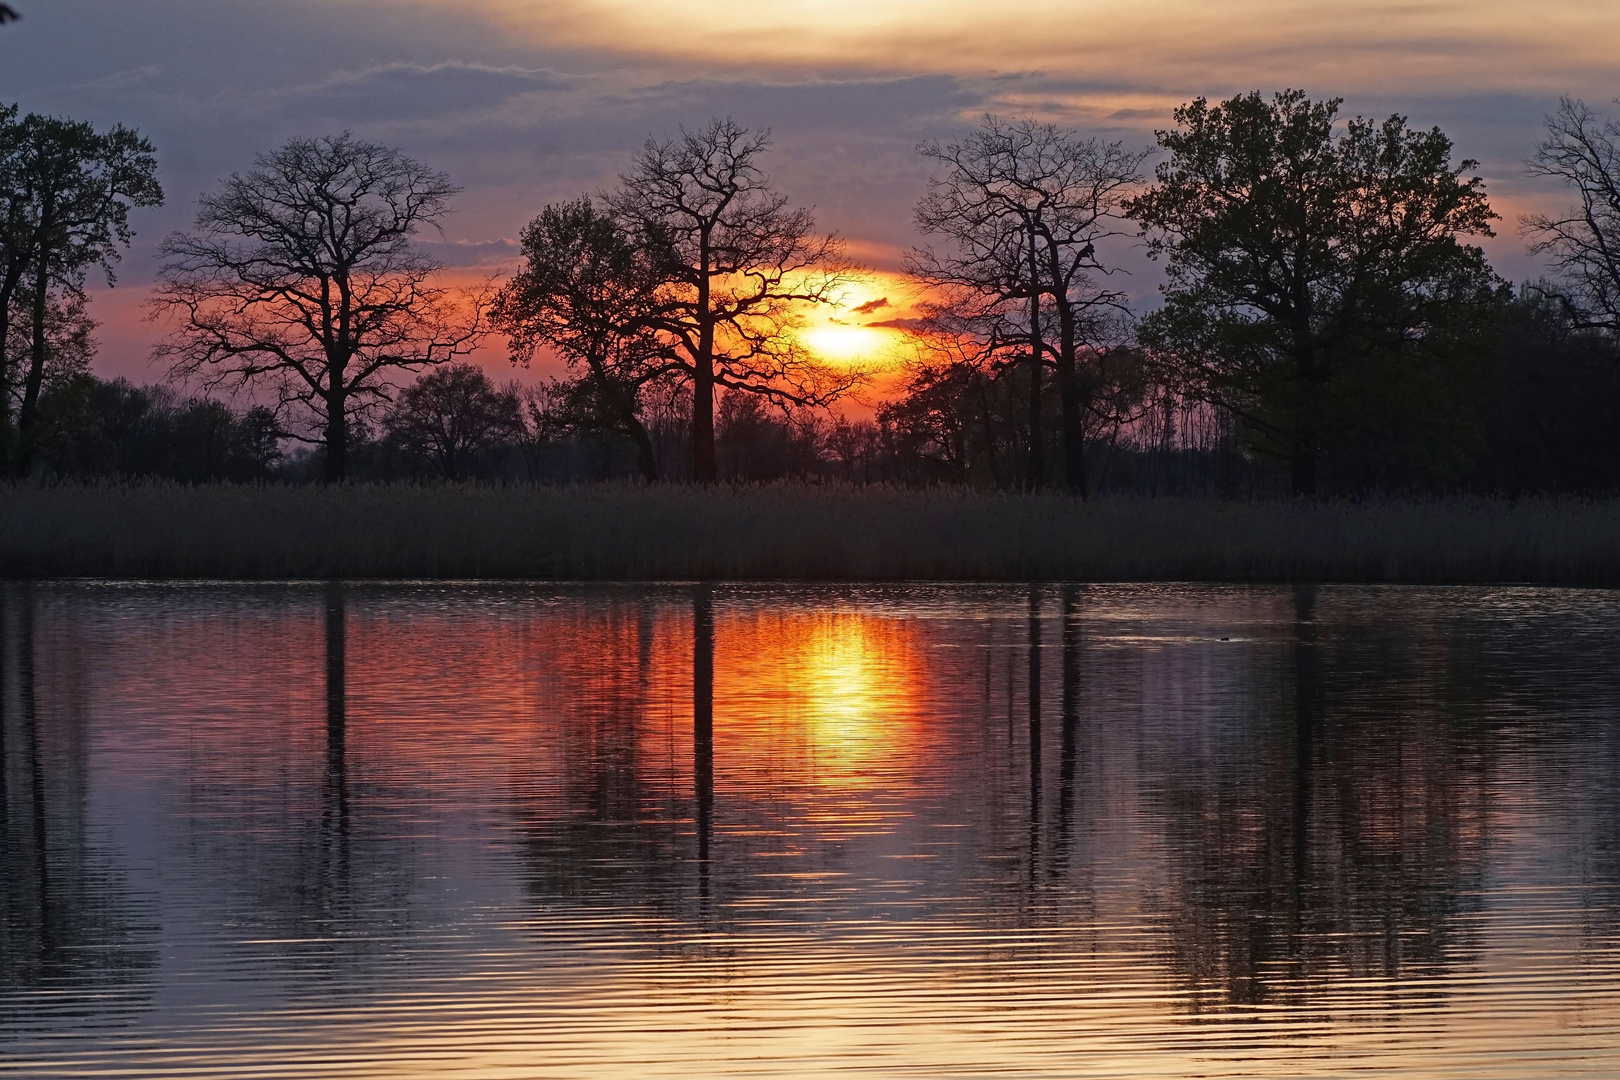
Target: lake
[[514, 830]]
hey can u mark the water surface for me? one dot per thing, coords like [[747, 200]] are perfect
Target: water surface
[[519, 831]]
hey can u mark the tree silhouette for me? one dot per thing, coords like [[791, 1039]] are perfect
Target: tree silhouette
[[1025, 205], [590, 292], [66, 191], [451, 414], [1316, 277], [1583, 151], [303, 274], [735, 267]]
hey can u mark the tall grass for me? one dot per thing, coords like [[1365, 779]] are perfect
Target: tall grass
[[803, 532]]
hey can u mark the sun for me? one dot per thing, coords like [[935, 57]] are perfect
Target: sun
[[864, 327]]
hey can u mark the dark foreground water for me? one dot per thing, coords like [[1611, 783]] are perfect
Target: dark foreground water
[[515, 831]]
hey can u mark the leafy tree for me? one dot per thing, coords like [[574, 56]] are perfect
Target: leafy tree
[[1318, 282], [588, 291], [66, 191], [69, 336], [114, 429], [303, 274], [735, 265], [453, 414], [1025, 205], [1583, 151]]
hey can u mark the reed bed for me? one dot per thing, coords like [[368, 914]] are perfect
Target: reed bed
[[787, 532]]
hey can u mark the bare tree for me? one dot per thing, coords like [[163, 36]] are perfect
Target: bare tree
[[1025, 205], [736, 266], [302, 274], [1583, 151]]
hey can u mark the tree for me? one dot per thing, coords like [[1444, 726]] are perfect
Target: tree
[[452, 414], [735, 266], [66, 191], [1583, 151], [1025, 205], [1318, 285], [303, 274], [69, 335], [590, 292]]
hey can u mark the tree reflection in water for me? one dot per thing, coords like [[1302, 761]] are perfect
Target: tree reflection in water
[[1343, 836], [75, 944], [1209, 800]]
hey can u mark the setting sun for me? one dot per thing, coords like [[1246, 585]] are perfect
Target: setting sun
[[866, 327]]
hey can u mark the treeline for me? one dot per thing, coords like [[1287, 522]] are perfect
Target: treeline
[[1329, 323]]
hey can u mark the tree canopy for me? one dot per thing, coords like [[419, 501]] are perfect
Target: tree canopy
[[1023, 206], [302, 275], [66, 192], [1319, 283], [735, 265]]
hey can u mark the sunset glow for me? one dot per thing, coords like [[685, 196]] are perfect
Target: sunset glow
[[842, 690], [1361, 43], [866, 327]]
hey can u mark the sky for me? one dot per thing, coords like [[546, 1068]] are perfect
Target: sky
[[525, 102]]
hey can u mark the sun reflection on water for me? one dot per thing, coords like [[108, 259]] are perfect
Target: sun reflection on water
[[832, 697]]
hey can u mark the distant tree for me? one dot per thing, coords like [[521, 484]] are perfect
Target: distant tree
[[66, 191], [1553, 415], [1318, 282], [756, 443], [1024, 205], [303, 275], [114, 429], [1582, 150], [590, 292], [735, 266], [930, 425], [453, 414]]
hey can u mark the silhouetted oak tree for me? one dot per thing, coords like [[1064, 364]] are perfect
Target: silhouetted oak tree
[[1024, 205], [1583, 151], [1317, 279], [735, 266], [590, 292], [303, 274], [66, 191]]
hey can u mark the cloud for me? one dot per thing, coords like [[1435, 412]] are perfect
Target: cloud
[[870, 306], [418, 91], [485, 255]]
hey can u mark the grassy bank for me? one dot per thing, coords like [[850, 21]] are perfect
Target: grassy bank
[[620, 531]]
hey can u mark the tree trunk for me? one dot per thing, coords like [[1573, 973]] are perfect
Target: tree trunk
[[8, 291], [1037, 463], [1073, 407], [703, 466], [646, 459], [337, 434], [36, 366], [1302, 468], [624, 403]]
